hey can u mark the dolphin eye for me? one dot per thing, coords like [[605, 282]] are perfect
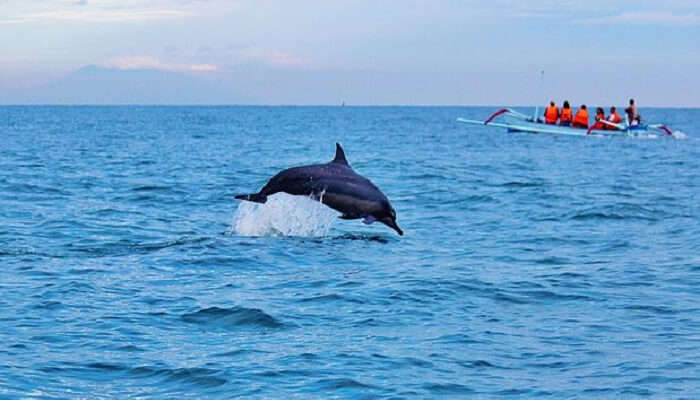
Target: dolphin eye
[[393, 214]]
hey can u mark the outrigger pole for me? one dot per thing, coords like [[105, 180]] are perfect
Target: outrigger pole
[[509, 111], [627, 127], [539, 94]]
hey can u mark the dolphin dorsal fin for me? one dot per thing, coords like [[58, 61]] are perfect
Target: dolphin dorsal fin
[[340, 155]]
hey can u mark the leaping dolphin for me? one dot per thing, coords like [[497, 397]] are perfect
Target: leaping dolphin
[[336, 185]]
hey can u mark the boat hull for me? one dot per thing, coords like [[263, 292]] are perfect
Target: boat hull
[[513, 124]]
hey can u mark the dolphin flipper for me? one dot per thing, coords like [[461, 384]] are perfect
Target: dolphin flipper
[[254, 197], [368, 220]]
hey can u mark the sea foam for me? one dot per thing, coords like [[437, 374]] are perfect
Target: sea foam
[[679, 135], [283, 215]]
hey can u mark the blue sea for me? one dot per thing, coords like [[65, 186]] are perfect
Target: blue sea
[[532, 266]]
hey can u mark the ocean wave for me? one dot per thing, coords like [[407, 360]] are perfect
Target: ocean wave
[[196, 376], [327, 298], [342, 383], [151, 188], [477, 364], [200, 377], [457, 338], [618, 211], [654, 309], [363, 237], [231, 318], [520, 184], [240, 353], [447, 389], [128, 247]]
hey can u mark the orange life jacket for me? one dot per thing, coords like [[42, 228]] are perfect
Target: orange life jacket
[[581, 118], [615, 119], [565, 115], [551, 115]]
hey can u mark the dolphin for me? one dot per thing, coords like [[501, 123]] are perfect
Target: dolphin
[[336, 185]]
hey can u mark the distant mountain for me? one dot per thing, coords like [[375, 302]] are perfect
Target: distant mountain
[[98, 85]]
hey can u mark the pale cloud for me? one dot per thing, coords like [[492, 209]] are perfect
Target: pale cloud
[[147, 62], [276, 58], [101, 12], [662, 17], [532, 14]]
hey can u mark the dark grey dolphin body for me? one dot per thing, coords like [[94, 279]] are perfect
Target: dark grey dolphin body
[[336, 185]]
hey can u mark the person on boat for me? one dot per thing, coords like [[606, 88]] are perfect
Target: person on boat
[[633, 117], [551, 113], [566, 114], [613, 117], [599, 118], [581, 118]]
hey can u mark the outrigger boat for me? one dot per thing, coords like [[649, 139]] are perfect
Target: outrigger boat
[[518, 122]]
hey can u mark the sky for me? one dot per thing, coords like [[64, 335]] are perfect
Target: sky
[[389, 52]]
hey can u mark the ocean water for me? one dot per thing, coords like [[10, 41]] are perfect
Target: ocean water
[[533, 266]]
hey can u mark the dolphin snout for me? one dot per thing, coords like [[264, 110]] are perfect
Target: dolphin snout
[[391, 223]]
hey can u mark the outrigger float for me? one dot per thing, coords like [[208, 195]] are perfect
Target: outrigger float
[[514, 121]]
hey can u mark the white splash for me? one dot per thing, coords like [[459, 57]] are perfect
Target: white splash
[[283, 215], [679, 135]]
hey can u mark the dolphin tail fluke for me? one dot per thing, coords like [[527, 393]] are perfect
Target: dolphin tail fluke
[[254, 197]]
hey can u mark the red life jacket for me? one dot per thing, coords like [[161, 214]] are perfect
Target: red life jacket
[[551, 115]]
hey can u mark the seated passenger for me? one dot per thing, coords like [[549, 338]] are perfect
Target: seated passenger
[[615, 118], [581, 118], [566, 114], [551, 113], [599, 117]]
